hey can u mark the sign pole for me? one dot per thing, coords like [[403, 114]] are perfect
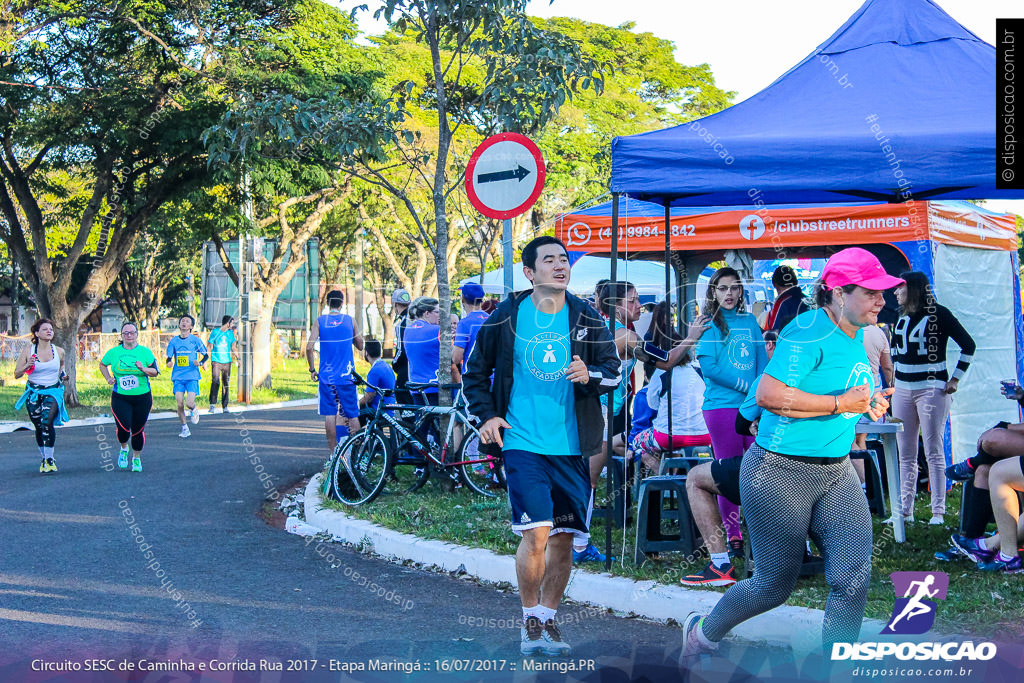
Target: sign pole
[[507, 257]]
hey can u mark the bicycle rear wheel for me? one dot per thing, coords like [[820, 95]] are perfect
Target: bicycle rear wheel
[[487, 478], [359, 471], [409, 473]]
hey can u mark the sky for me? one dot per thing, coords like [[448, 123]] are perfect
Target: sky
[[749, 43]]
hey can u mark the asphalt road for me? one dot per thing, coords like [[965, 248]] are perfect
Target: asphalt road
[[75, 582]]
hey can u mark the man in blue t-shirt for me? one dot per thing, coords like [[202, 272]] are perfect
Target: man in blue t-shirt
[[551, 357], [186, 354], [223, 348], [465, 333], [380, 375], [337, 333]]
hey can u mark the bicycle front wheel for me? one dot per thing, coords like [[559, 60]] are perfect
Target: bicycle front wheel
[[360, 471], [484, 477]]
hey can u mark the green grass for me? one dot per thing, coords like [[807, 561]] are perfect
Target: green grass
[[291, 382], [978, 603]]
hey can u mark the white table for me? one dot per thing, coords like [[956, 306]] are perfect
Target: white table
[[887, 431]]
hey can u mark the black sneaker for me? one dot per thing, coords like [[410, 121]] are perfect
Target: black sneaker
[[532, 633], [962, 471], [950, 554], [735, 547], [711, 576]]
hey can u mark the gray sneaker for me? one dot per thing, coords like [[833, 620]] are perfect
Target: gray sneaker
[[534, 642], [554, 645], [693, 645]]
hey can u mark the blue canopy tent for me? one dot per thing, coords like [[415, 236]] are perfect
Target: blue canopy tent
[[898, 105]]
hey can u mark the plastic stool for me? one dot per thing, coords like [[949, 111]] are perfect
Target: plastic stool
[[617, 473], [649, 514], [685, 459]]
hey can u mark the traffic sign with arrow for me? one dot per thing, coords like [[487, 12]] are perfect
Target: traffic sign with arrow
[[505, 175]]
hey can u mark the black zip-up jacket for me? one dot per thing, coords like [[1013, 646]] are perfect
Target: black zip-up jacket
[[589, 338]]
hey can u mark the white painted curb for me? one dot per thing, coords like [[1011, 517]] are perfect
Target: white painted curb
[[7, 427], [796, 627]]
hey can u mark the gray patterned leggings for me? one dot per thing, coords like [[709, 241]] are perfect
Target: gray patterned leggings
[[783, 502]]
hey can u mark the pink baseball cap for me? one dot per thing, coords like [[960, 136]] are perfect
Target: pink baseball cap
[[856, 266]]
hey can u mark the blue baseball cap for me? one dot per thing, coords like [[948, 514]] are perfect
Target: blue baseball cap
[[472, 291]]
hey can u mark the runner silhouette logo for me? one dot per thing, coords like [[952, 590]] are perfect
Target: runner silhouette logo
[[751, 227], [916, 592]]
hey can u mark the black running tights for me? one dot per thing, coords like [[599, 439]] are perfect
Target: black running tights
[[130, 414]]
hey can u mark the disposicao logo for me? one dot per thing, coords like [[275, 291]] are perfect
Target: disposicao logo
[[914, 614]]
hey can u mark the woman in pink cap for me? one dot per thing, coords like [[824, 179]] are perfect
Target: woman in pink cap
[[797, 480]]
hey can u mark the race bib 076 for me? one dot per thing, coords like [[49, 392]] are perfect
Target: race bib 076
[[128, 382]]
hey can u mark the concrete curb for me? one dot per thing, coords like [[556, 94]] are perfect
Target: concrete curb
[[8, 427], [798, 628]]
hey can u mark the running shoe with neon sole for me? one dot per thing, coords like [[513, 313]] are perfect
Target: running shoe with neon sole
[[185, 432], [554, 646], [136, 464], [532, 632], [195, 416], [693, 643], [122, 459], [962, 471], [588, 554], [972, 549], [998, 564], [51, 465], [43, 467], [711, 576]]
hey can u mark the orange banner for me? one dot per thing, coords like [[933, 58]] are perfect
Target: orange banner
[[792, 227]]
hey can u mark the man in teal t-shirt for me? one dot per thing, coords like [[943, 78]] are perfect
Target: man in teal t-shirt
[[223, 348], [186, 354]]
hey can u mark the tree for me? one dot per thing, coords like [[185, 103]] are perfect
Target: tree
[[117, 94], [490, 68]]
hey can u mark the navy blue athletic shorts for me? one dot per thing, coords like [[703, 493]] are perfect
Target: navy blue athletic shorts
[[548, 490], [726, 474]]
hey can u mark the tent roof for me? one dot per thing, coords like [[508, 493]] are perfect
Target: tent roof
[[647, 277], [898, 104]]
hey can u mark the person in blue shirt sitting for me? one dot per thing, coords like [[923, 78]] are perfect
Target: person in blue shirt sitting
[[380, 375]]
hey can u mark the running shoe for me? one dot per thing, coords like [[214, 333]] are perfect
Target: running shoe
[[906, 518], [950, 554], [972, 549], [533, 642], [43, 467], [735, 547], [554, 646], [962, 471], [136, 464], [588, 554], [693, 644], [937, 520], [185, 433], [51, 466], [711, 576], [997, 564], [195, 416], [218, 410], [122, 459], [212, 409]]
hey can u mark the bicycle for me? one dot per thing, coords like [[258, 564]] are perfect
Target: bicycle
[[389, 449]]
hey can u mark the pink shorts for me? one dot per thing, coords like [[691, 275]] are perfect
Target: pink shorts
[[681, 441]]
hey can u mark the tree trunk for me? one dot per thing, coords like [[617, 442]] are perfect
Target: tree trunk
[[65, 335], [262, 343]]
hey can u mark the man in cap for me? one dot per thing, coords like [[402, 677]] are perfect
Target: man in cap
[[400, 301], [472, 319]]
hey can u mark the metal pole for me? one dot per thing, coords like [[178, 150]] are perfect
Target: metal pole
[[609, 517], [668, 300], [506, 243]]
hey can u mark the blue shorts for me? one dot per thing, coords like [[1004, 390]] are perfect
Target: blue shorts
[[548, 490], [186, 386], [339, 399]]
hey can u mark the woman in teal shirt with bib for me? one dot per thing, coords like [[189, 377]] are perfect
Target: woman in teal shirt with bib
[[797, 480]]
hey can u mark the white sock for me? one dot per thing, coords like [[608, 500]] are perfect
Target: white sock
[[544, 613], [1004, 558], [700, 633], [42, 453], [982, 544], [47, 451], [718, 559], [531, 612]]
